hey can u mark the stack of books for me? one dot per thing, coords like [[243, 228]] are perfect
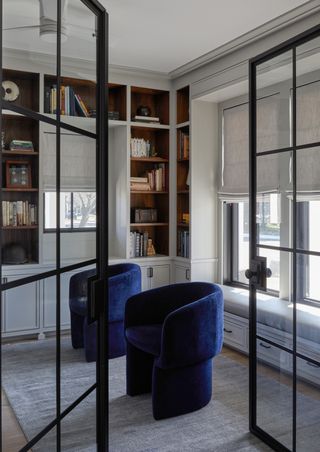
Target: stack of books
[[155, 180], [71, 103], [21, 145], [139, 184], [148, 119], [183, 243], [183, 147], [19, 213], [138, 244]]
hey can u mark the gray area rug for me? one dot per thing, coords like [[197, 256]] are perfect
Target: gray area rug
[[222, 426]]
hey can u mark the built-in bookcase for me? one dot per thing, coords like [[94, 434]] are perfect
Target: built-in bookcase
[[149, 166], [183, 175], [17, 226]]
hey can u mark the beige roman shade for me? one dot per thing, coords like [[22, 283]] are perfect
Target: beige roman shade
[[78, 162], [235, 148], [308, 131]]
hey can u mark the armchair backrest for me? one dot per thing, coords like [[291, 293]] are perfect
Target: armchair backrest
[[194, 332], [124, 282]]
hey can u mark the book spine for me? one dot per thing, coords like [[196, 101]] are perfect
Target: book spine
[[47, 97], [63, 100]]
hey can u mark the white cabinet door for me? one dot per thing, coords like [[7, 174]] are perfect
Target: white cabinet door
[[49, 301], [145, 280], [21, 308], [160, 276], [153, 276], [181, 274]]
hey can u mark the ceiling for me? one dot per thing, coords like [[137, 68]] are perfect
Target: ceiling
[[148, 34]]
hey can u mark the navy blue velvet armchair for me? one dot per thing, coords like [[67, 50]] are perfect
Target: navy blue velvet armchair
[[172, 334], [124, 281]]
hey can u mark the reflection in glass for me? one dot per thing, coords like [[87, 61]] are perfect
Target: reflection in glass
[[274, 392], [274, 187], [308, 406], [308, 92], [28, 366], [308, 197], [274, 81]]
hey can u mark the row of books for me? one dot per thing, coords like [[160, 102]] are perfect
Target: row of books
[[183, 244], [155, 180], [138, 244], [19, 213], [140, 147], [183, 145], [71, 103]]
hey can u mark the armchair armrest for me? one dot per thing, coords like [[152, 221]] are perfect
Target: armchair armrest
[[192, 333], [79, 284]]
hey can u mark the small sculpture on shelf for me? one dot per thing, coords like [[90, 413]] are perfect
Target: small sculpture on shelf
[[150, 248]]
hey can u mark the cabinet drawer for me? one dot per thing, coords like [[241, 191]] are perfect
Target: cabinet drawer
[[272, 355], [308, 371], [235, 335]]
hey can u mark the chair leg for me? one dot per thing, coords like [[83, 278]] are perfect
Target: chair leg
[[182, 390], [76, 329], [90, 341], [117, 343], [139, 371]]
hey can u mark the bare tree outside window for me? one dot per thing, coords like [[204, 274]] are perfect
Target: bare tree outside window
[[84, 210]]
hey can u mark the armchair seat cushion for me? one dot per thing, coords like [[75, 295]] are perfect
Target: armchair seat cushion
[[146, 337]]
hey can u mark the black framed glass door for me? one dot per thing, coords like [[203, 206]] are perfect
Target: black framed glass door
[[284, 250], [54, 217]]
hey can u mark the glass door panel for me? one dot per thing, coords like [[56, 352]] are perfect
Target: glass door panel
[[285, 221]]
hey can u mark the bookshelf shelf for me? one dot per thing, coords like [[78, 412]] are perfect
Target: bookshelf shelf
[[149, 159], [148, 192], [17, 228], [183, 166], [146, 125], [137, 225], [21, 190], [183, 124], [7, 153]]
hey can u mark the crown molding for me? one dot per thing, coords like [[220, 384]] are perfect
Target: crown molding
[[262, 31], [127, 70]]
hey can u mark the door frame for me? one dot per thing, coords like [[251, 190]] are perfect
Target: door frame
[[290, 44], [100, 298]]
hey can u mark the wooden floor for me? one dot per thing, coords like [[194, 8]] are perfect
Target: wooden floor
[[14, 439]]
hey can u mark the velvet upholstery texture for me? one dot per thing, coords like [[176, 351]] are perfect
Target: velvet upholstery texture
[[173, 333], [124, 281]]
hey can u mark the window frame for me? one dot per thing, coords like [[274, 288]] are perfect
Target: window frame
[[64, 230]]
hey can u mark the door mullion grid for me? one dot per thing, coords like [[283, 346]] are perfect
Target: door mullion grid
[[58, 236], [294, 246]]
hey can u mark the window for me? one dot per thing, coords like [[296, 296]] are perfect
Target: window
[[77, 211], [237, 241]]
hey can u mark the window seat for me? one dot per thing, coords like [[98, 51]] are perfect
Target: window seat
[[274, 312]]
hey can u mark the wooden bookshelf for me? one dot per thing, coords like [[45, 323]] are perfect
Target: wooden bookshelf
[[19, 127], [118, 100], [156, 100], [142, 165], [183, 168], [183, 95]]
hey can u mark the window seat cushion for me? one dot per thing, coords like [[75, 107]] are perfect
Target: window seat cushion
[[274, 312]]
